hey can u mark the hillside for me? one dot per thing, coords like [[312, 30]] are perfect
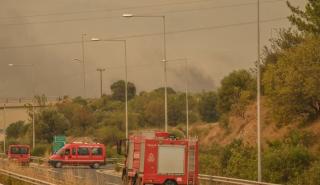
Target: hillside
[[245, 129]]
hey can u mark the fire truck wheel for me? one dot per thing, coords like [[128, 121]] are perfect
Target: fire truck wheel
[[96, 165], [58, 165], [170, 182]]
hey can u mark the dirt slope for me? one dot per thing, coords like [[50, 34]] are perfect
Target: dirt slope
[[245, 128]]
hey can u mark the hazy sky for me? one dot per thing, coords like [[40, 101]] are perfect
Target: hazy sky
[[217, 37]]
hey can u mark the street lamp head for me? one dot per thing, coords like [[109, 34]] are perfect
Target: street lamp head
[[95, 39], [101, 69], [10, 65], [76, 60], [127, 15]]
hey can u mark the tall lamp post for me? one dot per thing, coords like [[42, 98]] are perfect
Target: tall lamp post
[[82, 61], [100, 70], [126, 75], [186, 68], [83, 64], [4, 128], [33, 94], [127, 15], [258, 94]]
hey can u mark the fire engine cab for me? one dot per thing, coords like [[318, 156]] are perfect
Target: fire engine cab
[[158, 158], [20, 153]]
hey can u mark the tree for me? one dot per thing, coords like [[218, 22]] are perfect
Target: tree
[[79, 100], [82, 120], [118, 90], [307, 20], [285, 160], [160, 90], [16, 129], [176, 109], [49, 122], [208, 107], [233, 87], [154, 112], [287, 38], [292, 84]]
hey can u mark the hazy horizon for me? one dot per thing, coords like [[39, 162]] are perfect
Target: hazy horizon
[[216, 36]]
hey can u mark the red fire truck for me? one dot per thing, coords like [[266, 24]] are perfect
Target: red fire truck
[[77, 153], [157, 158], [20, 153]]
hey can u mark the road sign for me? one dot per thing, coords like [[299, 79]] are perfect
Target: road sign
[[58, 142]]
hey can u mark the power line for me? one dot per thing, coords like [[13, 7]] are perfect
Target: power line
[[162, 12], [152, 34], [106, 10]]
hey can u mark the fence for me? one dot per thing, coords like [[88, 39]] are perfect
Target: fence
[[218, 180]]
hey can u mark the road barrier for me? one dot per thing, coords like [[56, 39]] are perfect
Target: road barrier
[[208, 179], [24, 178], [204, 179]]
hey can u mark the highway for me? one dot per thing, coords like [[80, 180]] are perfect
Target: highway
[[66, 175]]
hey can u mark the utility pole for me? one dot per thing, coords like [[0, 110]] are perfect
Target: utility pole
[[101, 70], [128, 15], [258, 96], [4, 128], [33, 97], [187, 98], [83, 64], [126, 77], [165, 73]]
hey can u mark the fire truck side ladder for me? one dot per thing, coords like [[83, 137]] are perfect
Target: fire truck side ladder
[[191, 161]]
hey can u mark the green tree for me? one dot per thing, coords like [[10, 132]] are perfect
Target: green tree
[[234, 87], [160, 90], [287, 38], [81, 101], [312, 176], [118, 90], [50, 122], [292, 84], [16, 129], [154, 112], [307, 20], [284, 163], [208, 107], [82, 120], [176, 109]]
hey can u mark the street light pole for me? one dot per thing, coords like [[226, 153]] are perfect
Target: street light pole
[[258, 96], [4, 128], [127, 15], [126, 86], [126, 77], [33, 100], [186, 88], [100, 70], [187, 98], [83, 64], [165, 73]]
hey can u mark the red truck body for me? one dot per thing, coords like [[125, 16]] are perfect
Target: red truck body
[[20, 153], [92, 155], [155, 158]]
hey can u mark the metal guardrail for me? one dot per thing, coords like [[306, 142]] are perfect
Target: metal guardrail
[[37, 159], [227, 180], [224, 180], [24, 178], [27, 99]]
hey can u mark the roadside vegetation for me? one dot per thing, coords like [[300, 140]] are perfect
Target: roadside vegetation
[[290, 90]]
